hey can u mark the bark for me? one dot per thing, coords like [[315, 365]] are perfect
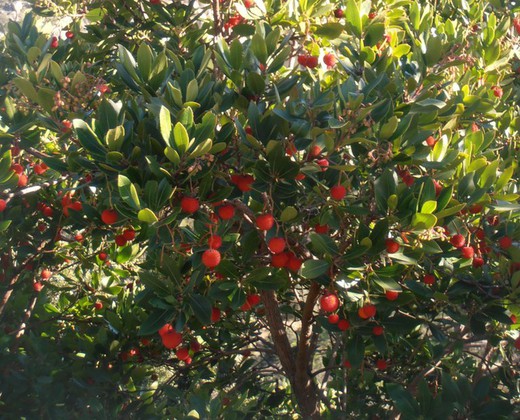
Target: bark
[[296, 366]]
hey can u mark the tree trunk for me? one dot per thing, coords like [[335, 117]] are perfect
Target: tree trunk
[[296, 368]]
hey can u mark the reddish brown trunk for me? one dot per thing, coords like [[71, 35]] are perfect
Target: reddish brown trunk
[[296, 368]]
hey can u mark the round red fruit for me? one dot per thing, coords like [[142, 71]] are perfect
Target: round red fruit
[[338, 13], [505, 242], [429, 279], [215, 241], [338, 192], [392, 246], [497, 91], [46, 274], [226, 212], [312, 61], [98, 305], [109, 216], [329, 60], [211, 258], [467, 252], [189, 205], [378, 330], [3, 205], [329, 302], [367, 311], [37, 287], [294, 263], [276, 245], [120, 240], [279, 260], [458, 240], [265, 221], [321, 228], [381, 364], [430, 141], [302, 60], [478, 262], [343, 324], [129, 234], [391, 295], [333, 318], [171, 339], [215, 314], [253, 300], [323, 163], [183, 353]]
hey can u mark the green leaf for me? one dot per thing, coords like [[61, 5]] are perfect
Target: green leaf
[[88, 139], [235, 54], [201, 307], [314, 268], [288, 213], [46, 98], [115, 137], [128, 192], [155, 321], [259, 48], [330, 30], [323, 244], [202, 149], [181, 137], [429, 206], [353, 17], [154, 282], [384, 187], [489, 175], [147, 215], [27, 88], [172, 155], [144, 60], [4, 224], [504, 178], [165, 125], [403, 400]]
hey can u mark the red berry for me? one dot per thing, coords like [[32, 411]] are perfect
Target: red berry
[[372, 15], [17, 168], [3, 205], [66, 125], [98, 305], [314, 151], [215, 241], [249, 3], [517, 341], [333, 318], [69, 34], [211, 258], [265, 221], [129, 234], [37, 287], [478, 262], [47, 211], [324, 163], [22, 180], [429, 279], [40, 169], [339, 13], [253, 300], [189, 205], [109, 216], [347, 364], [475, 208], [391, 295], [338, 192], [343, 324], [391, 246], [312, 61], [513, 318], [480, 234], [294, 263], [330, 60], [183, 353], [378, 330], [367, 311], [302, 60], [102, 256], [458, 240], [46, 274], [497, 91], [276, 245], [155, 2], [78, 237], [54, 42], [381, 364], [321, 228], [279, 260], [215, 314], [194, 346], [467, 252], [430, 141], [505, 242], [329, 302], [120, 240], [171, 339], [226, 212]]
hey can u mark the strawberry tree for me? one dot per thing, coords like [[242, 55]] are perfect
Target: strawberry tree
[[225, 208]]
